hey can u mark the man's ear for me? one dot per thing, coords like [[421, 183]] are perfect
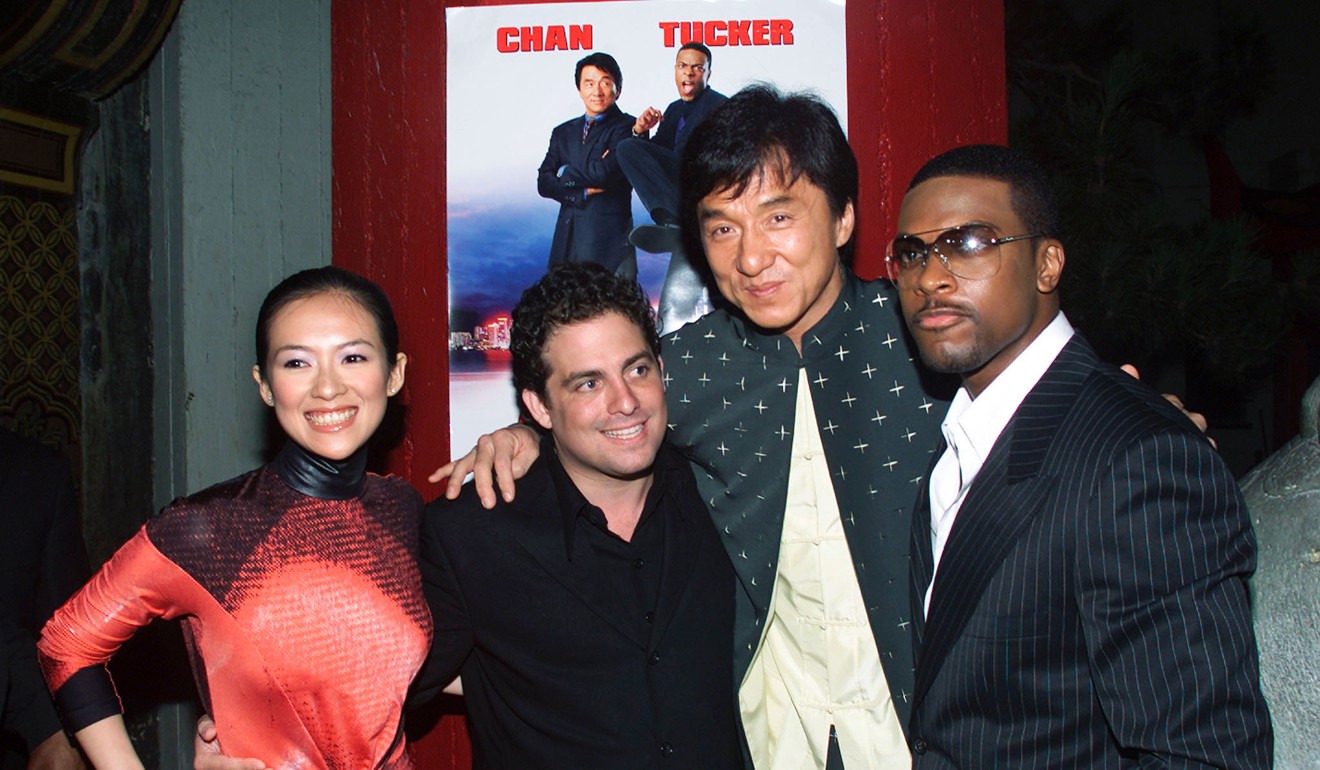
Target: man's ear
[[844, 226], [537, 409], [1049, 266]]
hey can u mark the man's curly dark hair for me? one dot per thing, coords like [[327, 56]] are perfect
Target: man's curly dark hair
[[568, 294]]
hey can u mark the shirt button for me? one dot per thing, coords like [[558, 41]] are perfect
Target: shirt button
[[654, 658], [650, 617], [638, 563], [919, 746], [666, 749]]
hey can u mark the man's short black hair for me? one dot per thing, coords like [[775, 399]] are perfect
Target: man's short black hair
[[699, 48], [761, 129], [568, 294], [603, 62], [1030, 193]]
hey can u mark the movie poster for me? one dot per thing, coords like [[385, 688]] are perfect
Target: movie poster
[[511, 81]]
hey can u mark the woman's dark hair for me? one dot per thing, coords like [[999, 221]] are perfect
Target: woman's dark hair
[[329, 280], [568, 294]]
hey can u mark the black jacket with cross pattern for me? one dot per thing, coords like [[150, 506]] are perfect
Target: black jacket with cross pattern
[[732, 394]]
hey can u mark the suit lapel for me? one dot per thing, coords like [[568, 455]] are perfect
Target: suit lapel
[[1004, 498], [920, 548], [9, 449], [5, 472]]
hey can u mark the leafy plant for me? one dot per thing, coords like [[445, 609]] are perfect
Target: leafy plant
[[1087, 101]]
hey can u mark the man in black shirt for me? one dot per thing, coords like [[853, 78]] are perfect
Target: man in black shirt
[[591, 619]]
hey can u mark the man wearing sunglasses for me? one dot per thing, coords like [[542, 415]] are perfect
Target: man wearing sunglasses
[[1079, 551]]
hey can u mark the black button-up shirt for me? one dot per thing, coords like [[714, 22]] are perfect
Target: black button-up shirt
[[578, 648], [632, 567]]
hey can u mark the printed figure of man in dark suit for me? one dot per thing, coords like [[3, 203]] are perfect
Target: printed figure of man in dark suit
[[581, 171], [42, 561], [591, 618], [651, 165], [1080, 552]]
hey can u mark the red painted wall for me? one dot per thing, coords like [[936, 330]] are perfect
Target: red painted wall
[[923, 76], [388, 195]]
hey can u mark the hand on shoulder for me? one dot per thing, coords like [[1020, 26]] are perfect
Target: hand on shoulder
[[498, 459]]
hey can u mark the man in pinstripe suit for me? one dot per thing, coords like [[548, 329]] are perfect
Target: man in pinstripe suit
[[1080, 553]]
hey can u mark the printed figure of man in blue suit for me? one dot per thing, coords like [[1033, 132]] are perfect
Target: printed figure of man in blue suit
[[581, 171], [651, 164], [1080, 553]]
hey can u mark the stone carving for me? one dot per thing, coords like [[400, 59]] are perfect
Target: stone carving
[[1283, 493]]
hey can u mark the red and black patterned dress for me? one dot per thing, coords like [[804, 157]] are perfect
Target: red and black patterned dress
[[303, 614]]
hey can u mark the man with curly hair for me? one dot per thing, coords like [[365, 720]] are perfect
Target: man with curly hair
[[591, 619]]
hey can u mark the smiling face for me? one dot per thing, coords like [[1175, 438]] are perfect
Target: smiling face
[[691, 73], [598, 90], [327, 374], [774, 251], [976, 328], [604, 401]]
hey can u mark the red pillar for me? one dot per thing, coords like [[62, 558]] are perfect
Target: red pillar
[[388, 200], [923, 76], [388, 195]]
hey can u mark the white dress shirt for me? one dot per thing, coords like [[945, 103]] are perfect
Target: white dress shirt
[[972, 426]]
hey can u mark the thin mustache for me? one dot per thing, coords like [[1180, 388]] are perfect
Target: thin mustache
[[936, 306]]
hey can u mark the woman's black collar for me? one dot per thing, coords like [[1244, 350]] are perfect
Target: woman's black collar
[[315, 476]]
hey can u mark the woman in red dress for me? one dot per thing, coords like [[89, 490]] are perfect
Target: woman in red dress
[[297, 582]]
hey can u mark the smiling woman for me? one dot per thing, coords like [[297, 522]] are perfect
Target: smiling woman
[[328, 374], [297, 582]]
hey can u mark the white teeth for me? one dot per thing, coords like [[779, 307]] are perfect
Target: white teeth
[[627, 433], [326, 419]]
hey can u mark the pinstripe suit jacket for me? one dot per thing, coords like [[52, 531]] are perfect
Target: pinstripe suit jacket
[[1090, 609]]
